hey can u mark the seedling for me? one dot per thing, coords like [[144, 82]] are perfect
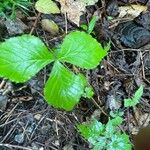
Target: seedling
[[130, 102], [23, 56], [89, 28], [105, 136]]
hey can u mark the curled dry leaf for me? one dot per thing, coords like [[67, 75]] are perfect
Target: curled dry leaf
[[132, 10], [50, 26], [74, 9]]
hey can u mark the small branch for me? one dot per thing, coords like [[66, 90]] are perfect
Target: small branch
[[15, 146], [99, 107], [35, 23]]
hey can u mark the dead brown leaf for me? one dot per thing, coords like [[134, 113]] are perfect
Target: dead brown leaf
[[132, 10], [74, 9]]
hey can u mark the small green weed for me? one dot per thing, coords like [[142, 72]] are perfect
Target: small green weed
[[108, 136], [89, 28], [130, 102], [8, 7], [105, 136]]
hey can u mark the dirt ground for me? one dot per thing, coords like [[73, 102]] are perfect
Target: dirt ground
[[27, 122]]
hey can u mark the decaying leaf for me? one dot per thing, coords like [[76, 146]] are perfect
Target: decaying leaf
[[143, 121], [47, 7], [50, 26], [132, 10], [75, 8]]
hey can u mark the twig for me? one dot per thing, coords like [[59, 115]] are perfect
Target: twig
[[100, 107], [2, 83], [143, 71], [66, 26], [5, 137], [35, 23], [37, 126], [14, 146], [135, 50], [8, 115]]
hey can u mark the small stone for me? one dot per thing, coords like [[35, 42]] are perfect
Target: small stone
[[19, 138], [37, 116], [57, 143]]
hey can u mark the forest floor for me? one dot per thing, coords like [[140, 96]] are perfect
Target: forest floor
[[27, 122]]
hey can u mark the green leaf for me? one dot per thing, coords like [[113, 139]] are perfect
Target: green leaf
[[107, 46], [117, 121], [47, 7], [88, 92], [84, 27], [101, 144], [105, 136], [138, 94], [22, 57], [129, 102], [64, 89], [116, 113], [91, 24], [91, 129], [81, 49], [110, 129], [119, 142], [135, 100]]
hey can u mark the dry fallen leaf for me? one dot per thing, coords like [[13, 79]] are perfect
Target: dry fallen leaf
[[75, 8], [132, 10], [143, 121], [47, 7], [50, 26]]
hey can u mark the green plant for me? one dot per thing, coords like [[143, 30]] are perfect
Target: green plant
[[130, 102], [23, 56], [89, 28], [8, 7], [105, 136]]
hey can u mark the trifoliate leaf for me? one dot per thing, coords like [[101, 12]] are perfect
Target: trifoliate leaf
[[64, 89], [91, 129], [22, 57], [81, 49], [47, 7], [135, 100]]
